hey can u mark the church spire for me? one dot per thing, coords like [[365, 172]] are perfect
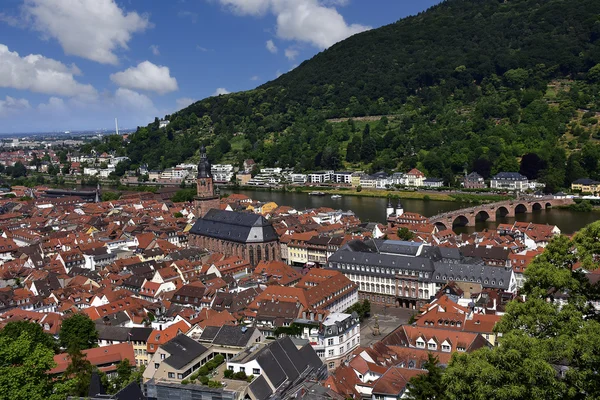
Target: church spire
[[204, 165]]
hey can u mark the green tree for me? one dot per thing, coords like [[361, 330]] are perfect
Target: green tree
[[110, 196], [24, 366], [184, 196], [18, 170], [79, 370], [428, 386], [78, 332], [405, 234], [13, 330]]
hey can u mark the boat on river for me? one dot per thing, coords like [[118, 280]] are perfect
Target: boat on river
[[316, 194], [336, 196]]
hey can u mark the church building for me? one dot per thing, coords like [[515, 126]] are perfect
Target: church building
[[246, 235]]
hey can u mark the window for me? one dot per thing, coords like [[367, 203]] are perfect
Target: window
[[179, 376], [242, 369], [431, 346], [330, 342], [445, 347], [330, 353], [156, 365], [231, 367], [331, 365], [171, 375], [420, 344], [162, 356], [255, 371]]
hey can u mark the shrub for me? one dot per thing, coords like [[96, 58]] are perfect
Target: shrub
[[203, 370], [240, 375], [204, 380], [250, 378], [214, 384], [185, 382], [228, 374], [359, 188], [219, 359]]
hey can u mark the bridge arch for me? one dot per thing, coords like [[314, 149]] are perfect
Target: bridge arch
[[520, 208], [548, 205], [460, 220], [441, 226], [536, 207], [482, 215], [502, 211]]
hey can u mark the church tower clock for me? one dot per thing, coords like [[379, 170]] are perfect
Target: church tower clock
[[206, 197]]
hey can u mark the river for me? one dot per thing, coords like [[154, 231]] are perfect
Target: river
[[373, 209]]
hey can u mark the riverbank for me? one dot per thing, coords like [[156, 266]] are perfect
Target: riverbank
[[424, 195]]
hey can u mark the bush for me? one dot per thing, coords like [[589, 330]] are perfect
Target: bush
[[214, 384], [240, 375], [250, 378], [185, 382], [219, 359], [228, 374], [203, 370], [204, 380], [359, 188]]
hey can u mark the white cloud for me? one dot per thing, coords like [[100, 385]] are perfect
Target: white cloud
[[155, 50], [203, 49], [278, 74], [308, 21], [184, 102], [312, 21], [291, 53], [247, 7], [188, 14], [146, 76], [132, 100], [221, 91], [9, 19], [39, 74], [92, 29], [54, 105], [271, 47], [255, 78], [10, 106]]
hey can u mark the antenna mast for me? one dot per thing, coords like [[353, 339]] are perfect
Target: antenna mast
[[117, 126]]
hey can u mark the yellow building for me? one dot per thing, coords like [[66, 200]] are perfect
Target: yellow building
[[355, 179], [585, 185], [263, 208]]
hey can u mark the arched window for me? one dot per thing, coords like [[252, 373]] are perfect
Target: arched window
[[273, 252], [251, 253], [267, 254], [258, 254]]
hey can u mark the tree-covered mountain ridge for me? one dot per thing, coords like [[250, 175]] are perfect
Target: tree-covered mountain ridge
[[487, 84]]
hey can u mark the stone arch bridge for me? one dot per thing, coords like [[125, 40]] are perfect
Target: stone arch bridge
[[489, 212]]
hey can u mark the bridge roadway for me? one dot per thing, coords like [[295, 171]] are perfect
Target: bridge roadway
[[490, 211]]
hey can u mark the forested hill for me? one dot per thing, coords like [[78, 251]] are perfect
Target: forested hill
[[484, 82]]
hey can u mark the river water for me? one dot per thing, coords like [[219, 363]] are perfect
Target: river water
[[372, 209]]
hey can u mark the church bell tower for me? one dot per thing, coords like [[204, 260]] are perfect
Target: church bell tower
[[206, 196]]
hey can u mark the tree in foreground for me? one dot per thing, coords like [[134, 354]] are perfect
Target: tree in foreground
[[548, 350], [23, 368], [78, 332], [428, 386]]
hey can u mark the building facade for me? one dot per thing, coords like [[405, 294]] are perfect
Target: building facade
[[408, 274], [509, 181]]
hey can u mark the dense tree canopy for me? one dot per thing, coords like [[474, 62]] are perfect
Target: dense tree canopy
[[548, 350], [78, 332]]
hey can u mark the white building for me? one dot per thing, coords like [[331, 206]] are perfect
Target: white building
[[299, 178], [509, 181], [174, 173], [337, 337], [342, 177], [222, 172], [320, 177]]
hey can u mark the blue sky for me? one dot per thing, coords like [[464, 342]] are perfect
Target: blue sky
[[78, 64]]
